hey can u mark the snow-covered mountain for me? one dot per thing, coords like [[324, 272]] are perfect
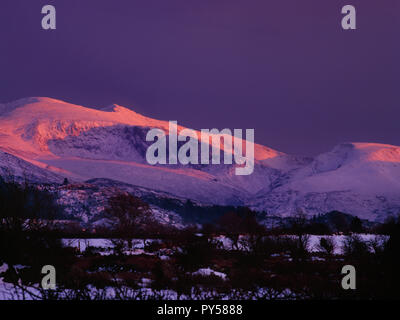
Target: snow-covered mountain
[[46, 140], [85, 202], [359, 178]]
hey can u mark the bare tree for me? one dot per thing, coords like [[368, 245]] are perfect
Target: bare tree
[[133, 215]]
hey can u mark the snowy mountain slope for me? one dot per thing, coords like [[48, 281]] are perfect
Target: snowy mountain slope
[[89, 143], [30, 123], [366, 167], [52, 139], [15, 169], [361, 178], [85, 202]]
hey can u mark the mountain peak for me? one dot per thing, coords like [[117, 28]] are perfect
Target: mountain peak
[[115, 108], [33, 109], [369, 151], [110, 108]]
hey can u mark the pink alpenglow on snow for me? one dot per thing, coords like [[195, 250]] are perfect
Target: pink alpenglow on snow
[[47, 140]]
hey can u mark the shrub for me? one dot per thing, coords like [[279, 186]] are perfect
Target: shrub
[[327, 245], [355, 247]]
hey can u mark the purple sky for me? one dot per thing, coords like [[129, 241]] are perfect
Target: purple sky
[[282, 67]]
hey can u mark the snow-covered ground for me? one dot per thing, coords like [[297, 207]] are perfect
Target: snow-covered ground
[[138, 245], [313, 242], [107, 246], [339, 240], [9, 291], [209, 272]]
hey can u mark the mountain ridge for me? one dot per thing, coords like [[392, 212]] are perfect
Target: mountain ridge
[[83, 143]]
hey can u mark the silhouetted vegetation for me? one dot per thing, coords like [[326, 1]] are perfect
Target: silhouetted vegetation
[[234, 255], [26, 237]]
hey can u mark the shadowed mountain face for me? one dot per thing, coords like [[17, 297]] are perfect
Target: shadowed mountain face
[[45, 140]]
